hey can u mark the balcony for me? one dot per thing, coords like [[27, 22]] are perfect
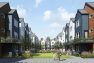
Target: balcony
[[9, 40], [80, 40], [83, 40]]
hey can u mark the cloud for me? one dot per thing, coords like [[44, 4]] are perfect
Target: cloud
[[64, 15], [55, 25], [47, 15], [58, 18], [37, 3]]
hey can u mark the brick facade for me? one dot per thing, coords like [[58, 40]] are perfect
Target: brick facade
[[90, 10]]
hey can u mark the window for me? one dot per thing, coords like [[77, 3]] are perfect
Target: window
[[16, 35], [91, 30], [77, 23], [70, 37], [77, 35], [86, 34], [2, 16], [66, 32], [90, 16], [70, 28], [15, 22]]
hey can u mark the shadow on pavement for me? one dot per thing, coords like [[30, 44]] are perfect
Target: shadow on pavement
[[62, 59], [10, 60]]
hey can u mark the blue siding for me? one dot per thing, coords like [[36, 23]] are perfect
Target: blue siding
[[84, 24], [78, 29], [83, 21]]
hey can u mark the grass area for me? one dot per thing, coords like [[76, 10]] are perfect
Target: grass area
[[43, 55], [65, 56], [48, 55]]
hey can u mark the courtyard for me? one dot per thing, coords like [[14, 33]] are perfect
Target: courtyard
[[47, 60]]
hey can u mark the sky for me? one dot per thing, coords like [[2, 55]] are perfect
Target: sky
[[47, 17]]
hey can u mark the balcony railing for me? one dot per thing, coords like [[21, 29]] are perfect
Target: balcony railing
[[80, 40], [8, 40]]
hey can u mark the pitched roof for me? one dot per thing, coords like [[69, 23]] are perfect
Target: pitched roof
[[12, 11], [90, 4], [82, 11], [3, 3]]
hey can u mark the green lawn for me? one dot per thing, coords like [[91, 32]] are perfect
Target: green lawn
[[48, 55]]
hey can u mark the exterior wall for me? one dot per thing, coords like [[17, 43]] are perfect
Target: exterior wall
[[71, 30], [26, 32], [10, 25], [2, 27], [52, 43], [4, 19], [35, 41], [42, 44], [14, 25], [78, 29], [48, 43], [83, 24], [67, 32], [91, 20], [63, 36], [22, 28]]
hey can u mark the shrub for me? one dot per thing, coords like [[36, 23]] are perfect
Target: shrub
[[76, 54], [45, 51], [26, 55], [89, 55]]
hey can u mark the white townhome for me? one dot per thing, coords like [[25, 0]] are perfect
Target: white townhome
[[71, 29]]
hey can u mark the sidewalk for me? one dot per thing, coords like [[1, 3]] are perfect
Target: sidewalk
[[47, 60]]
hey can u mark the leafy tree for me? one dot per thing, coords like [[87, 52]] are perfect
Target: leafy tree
[[58, 45]]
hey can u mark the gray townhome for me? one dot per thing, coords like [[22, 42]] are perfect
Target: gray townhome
[[9, 29], [22, 28]]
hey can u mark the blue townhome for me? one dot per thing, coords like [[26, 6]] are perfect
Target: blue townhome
[[81, 31]]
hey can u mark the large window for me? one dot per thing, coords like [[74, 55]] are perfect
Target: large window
[[77, 35], [16, 35], [77, 23], [15, 23], [86, 34]]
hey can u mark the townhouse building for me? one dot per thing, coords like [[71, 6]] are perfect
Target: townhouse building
[[35, 41], [69, 34], [53, 41], [42, 41], [84, 28], [71, 29], [48, 43], [89, 7], [22, 28], [9, 30], [26, 32], [60, 37]]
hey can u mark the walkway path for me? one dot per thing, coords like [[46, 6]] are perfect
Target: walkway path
[[47, 60], [70, 60]]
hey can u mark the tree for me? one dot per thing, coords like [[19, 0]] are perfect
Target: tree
[[58, 45]]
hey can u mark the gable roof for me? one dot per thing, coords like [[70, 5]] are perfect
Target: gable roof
[[82, 11], [12, 11], [4, 7], [91, 4], [3, 3]]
